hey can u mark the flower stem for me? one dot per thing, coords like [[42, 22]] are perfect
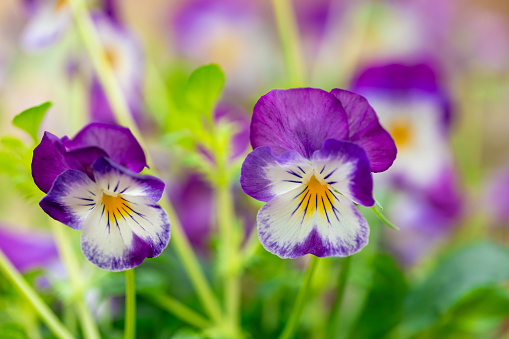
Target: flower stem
[[298, 308], [190, 263], [71, 264], [289, 35], [122, 115], [130, 305], [232, 288], [179, 310], [334, 315], [49, 318]]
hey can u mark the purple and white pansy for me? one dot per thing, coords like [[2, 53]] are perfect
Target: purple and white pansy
[[94, 187], [313, 155]]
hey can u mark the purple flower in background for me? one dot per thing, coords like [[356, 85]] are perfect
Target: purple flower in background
[[313, 156], [49, 20], [497, 196], [125, 57], [416, 110], [27, 249], [94, 187], [225, 32]]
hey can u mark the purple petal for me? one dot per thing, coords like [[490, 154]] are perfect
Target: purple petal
[[27, 249], [99, 106], [263, 175], [345, 166], [120, 180], [118, 142], [71, 198], [290, 227], [48, 161], [366, 131], [298, 119], [399, 81]]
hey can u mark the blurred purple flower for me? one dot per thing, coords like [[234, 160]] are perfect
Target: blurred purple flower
[[416, 110], [124, 55], [231, 33], [313, 156], [27, 249], [115, 207]]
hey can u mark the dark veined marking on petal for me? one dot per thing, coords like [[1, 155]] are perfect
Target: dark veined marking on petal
[[316, 202], [328, 175], [141, 215], [108, 185], [301, 169], [293, 173], [85, 199], [102, 213], [301, 201], [128, 201], [305, 210], [322, 169], [91, 192], [333, 194], [297, 182], [332, 182], [119, 212], [92, 204], [108, 221], [132, 217], [125, 189], [304, 190], [325, 209], [332, 205], [115, 189]]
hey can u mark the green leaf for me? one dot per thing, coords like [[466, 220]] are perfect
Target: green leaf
[[383, 308], [204, 88], [30, 119], [477, 266]]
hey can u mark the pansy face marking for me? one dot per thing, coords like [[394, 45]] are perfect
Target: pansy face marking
[[121, 222]]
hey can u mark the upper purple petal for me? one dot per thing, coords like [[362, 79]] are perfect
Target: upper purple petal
[[298, 119], [366, 131], [48, 161], [398, 80], [118, 142]]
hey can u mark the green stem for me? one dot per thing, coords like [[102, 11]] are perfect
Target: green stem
[[298, 308], [289, 35], [130, 305], [232, 288], [190, 263], [336, 307], [72, 266], [384, 218], [49, 318], [179, 310], [122, 115]]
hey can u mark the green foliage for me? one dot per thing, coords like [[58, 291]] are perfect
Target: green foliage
[[383, 308], [204, 88], [453, 287], [30, 119]]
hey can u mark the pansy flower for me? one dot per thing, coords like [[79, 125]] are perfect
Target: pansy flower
[[94, 187], [313, 156], [414, 106]]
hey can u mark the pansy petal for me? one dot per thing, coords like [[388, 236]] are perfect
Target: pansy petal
[[366, 131], [49, 151], [297, 119], [47, 25], [320, 223], [120, 144], [71, 198], [345, 166], [120, 180], [263, 175], [121, 239]]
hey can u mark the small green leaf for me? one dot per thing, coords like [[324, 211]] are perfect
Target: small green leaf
[[204, 88], [30, 119]]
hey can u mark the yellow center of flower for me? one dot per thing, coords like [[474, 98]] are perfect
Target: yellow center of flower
[[401, 131], [115, 207], [316, 197]]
